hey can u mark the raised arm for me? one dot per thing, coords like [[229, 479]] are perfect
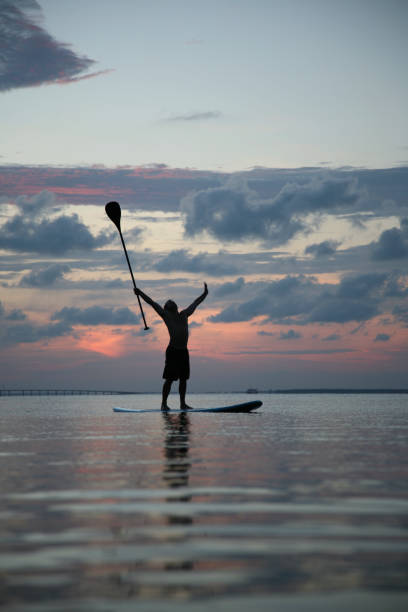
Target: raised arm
[[190, 309], [148, 300]]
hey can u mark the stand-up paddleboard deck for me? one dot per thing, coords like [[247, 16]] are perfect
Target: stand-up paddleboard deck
[[245, 407]]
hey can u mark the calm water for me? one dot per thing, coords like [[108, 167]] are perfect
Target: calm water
[[300, 506]]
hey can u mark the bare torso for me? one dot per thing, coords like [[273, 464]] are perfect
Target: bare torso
[[177, 324]]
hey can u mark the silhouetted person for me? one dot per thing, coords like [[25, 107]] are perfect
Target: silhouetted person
[[177, 366]]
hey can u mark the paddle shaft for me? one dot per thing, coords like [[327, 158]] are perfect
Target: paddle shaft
[[131, 274]]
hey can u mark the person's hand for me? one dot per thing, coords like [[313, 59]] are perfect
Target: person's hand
[[136, 291], [205, 289]]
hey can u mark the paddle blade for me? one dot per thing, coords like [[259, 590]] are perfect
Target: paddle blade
[[113, 211]]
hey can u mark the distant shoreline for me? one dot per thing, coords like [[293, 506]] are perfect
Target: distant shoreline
[[253, 391], [340, 391]]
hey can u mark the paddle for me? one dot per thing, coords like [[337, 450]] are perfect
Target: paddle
[[113, 211]]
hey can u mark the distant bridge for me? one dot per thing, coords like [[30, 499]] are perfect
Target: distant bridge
[[8, 392]]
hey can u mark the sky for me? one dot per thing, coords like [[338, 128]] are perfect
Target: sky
[[259, 146]]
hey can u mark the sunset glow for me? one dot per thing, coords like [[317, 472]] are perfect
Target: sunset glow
[[266, 184]]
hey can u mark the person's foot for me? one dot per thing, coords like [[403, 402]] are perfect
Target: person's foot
[[186, 407], [165, 407]]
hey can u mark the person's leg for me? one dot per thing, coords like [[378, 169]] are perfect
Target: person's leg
[[165, 394], [182, 392]]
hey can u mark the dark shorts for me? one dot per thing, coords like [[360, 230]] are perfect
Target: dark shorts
[[177, 364]]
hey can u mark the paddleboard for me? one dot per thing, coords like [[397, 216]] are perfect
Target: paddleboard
[[245, 407]]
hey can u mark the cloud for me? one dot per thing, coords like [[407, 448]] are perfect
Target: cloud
[[337, 310], [400, 312], [382, 338], [96, 315], [30, 55], [357, 329], [290, 335], [142, 333], [235, 212], [360, 286], [228, 288], [149, 187], [277, 300], [396, 285], [69, 80], [356, 298], [182, 260], [322, 249], [294, 352], [44, 277], [392, 244], [13, 315], [134, 234], [301, 300], [331, 338], [28, 333], [34, 205], [153, 187], [16, 315], [194, 324], [203, 116], [26, 232], [19, 330]]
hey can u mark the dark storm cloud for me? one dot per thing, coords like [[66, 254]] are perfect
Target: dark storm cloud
[[235, 212], [44, 277], [182, 261], [30, 56], [301, 300], [322, 249], [392, 243], [96, 315]]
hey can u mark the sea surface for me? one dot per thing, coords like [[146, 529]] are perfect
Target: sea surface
[[302, 505]]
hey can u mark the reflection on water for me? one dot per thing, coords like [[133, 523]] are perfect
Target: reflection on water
[[304, 502], [175, 476]]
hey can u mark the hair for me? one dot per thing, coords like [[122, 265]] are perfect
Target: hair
[[170, 305]]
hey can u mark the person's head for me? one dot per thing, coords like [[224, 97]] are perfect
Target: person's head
[[170, 306]]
